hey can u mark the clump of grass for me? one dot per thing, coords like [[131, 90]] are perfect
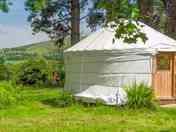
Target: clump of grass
[[140, 96]]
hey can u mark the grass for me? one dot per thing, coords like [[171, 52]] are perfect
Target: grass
[[34, 116]]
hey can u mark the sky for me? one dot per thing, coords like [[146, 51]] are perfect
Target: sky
[[14, 28]]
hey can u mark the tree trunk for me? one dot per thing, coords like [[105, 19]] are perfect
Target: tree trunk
[[170, 6], [146, 11], [144, 7], [75, 21]]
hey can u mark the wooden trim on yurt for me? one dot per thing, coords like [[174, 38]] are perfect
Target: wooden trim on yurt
[[153, 71]]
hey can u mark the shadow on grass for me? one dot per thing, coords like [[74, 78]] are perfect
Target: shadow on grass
[[64, 100], [57, 103]]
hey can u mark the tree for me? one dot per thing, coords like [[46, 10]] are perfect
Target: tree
[[57, 18], [124, 15], [146, 10], [160, 14], [170, 8], [152, 13], [4, 5], [60, 18]]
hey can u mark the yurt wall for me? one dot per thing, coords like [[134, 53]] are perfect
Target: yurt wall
[[84, 69]]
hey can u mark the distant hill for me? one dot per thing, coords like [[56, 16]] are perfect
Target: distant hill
[[39, 48], [47, 49]]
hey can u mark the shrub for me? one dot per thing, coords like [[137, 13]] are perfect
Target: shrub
[[9, 95], [2, 59], [140, 96], [33, 72], [4, 72]]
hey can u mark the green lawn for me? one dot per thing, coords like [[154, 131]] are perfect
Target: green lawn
[[34, 116]]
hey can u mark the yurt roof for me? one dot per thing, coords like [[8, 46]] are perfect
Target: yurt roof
[[103, 40]]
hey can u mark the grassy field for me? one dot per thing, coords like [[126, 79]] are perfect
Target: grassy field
[[36, 116]]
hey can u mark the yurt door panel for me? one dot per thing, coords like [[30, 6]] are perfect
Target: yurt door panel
[[163, 80]]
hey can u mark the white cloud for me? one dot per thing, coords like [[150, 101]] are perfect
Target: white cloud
[[13, 36]]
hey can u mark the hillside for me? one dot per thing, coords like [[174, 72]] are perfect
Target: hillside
[[47, 49], [39, 48]]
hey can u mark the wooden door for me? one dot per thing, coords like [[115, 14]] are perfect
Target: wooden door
[[163, 75]]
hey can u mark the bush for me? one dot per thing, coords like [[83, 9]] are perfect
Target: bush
[[4, 72], [9, 95], [33, 72], [140, 96]]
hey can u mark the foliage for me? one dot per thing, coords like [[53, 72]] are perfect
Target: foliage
[[4, 5], [30, 72], [4, 72], [10, 54], [170, 9], [9, 95], [2, 59], [140, 96], [125, 14], [130, 32], [62, 75], [33, 72], [50, 16], [154, 14], [54, 56], [54, 17]]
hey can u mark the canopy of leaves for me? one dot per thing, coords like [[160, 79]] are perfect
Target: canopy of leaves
[[52, 17], [4, 5], [125, 14], [49, 16], [33, 72]]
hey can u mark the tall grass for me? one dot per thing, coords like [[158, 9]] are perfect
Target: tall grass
[[140, 96], [9, 95]]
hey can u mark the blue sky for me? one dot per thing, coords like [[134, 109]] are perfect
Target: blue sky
[[16, 16], [14, 28]]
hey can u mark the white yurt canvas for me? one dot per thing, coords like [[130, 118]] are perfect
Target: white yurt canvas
[[98, 60]]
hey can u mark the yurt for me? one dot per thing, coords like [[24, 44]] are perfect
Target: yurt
[[102, 60]]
